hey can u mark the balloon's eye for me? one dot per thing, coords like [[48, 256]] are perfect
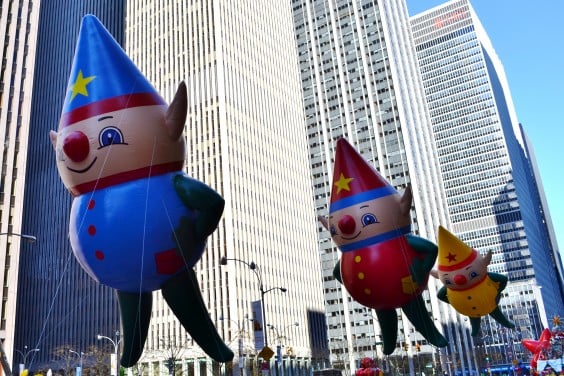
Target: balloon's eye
[[333, 231], [368, 219], [110, 136]]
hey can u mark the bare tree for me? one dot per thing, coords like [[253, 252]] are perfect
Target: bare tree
[[65, 357], [98, 362], [172, 352]]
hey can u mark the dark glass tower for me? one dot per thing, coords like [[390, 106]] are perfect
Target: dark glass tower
[[58, 306], [494, 197]]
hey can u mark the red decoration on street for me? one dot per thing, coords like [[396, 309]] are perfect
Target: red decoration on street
[[537, 347], [368, 368]]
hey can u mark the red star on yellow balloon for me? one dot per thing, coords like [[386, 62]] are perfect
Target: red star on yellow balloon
[[451, 257]]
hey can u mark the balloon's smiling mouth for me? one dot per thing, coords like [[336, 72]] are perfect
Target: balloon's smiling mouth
[[84, 169], [351, 237]]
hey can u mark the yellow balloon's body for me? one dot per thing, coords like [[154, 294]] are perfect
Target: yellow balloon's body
[[476, 301]]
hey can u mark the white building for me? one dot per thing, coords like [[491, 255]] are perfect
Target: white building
[[246, 139]]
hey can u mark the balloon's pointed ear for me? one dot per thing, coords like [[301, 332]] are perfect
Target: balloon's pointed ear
[[323, 221], [406, 200], [53, 137], [176, 114], [488, 257]]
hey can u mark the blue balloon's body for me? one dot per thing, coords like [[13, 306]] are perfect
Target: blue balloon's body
[[125, 240], [138, 223]]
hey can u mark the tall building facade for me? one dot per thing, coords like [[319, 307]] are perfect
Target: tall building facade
[[360, 81], [494, 199], [245, 138], [531, 159], [59, 308], [18, 24]]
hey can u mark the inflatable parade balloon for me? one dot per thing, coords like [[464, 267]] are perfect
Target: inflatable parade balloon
[[468, 286], [538, 347], [383, 266], [368, 368], [137, 222]]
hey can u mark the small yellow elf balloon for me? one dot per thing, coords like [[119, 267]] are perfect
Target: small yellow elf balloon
[[468, 286]]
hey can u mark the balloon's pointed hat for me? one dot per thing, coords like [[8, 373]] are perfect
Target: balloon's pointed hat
[[354, 179], [103, 78], [454, 254]]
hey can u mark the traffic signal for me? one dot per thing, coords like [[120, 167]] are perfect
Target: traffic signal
[[405, 346], [418, 347]]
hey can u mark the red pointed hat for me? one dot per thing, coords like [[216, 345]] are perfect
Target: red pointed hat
[[354, 179]]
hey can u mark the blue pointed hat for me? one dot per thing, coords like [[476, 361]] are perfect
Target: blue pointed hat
[[103, 78]]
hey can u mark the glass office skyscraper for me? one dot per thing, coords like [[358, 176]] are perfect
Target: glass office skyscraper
[[29, 108], [488, 170], [18, 33], [58, 305]]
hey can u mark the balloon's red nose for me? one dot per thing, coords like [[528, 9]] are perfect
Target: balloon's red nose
[[459, 279], [347, 224], [76, 146]]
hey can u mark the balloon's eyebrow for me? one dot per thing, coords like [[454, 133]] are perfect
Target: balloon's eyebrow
[[105, 117]]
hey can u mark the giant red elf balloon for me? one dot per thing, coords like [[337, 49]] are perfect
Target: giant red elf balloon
[[138, 223], [468, 286], [383, 265]]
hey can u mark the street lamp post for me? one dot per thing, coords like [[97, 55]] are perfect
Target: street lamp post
[[283, 335], [29, 238], [116, 349], [263, 292], [80, 355], [279, 338], [3, 359], [24, 355]]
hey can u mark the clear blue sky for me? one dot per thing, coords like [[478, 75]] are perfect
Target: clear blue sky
[[528, 37]]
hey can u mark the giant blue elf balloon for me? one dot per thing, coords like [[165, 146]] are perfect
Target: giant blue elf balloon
[[468, 286], [383, 266], [137, 223]]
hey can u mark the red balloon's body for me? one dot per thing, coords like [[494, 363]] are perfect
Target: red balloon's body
[[379, 276]]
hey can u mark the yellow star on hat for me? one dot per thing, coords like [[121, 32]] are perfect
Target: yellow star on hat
[[79, 86], [343, 183]]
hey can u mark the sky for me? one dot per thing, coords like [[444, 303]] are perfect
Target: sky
[[528, 37]]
